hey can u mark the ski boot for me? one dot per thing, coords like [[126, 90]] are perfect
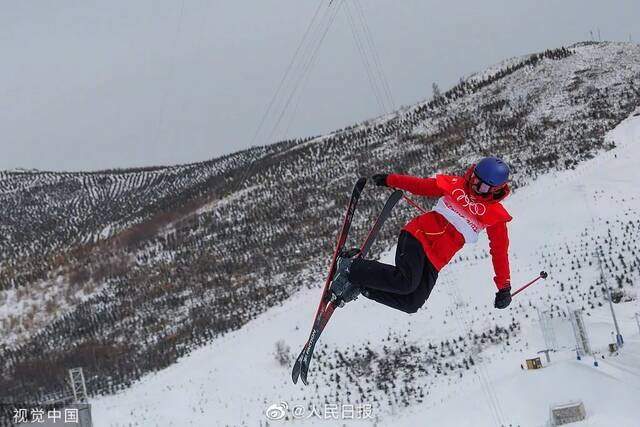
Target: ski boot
[[342, 290]]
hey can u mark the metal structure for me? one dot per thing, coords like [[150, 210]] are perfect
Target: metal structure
[[599, 255], [583, 346], [546, 354], [78, 385], [567, 413], [548, 333], [619, 339], [79, 388]]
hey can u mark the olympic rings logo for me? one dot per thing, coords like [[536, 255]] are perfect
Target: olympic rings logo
[[475, 208]]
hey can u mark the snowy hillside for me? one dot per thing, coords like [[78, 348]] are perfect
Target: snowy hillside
[[126, 272], [457, 361]]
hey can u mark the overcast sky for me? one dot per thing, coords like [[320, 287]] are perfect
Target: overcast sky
[[92, 84]]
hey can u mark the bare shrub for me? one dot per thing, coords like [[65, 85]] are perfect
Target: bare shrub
[[283, 353], [51, 307]]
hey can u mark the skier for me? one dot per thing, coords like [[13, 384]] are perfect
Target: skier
[[466, 206]]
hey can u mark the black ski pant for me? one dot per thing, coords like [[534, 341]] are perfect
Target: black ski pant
[[404, 287]]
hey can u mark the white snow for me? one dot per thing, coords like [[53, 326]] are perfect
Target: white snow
[[234, 379]]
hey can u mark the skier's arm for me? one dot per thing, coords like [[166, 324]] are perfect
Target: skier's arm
[[419, 186], [499, 250]]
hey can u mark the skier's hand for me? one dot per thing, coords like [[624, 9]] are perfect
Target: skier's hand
[[380, 179], [503, 298]]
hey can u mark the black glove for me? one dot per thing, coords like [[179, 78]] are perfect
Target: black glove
[[503, 298], [380, 179]]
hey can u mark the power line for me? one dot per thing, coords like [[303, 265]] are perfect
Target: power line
[[372, 46], [315, 47], [365, 61], [288, 70], [301, 51], [307, 72]]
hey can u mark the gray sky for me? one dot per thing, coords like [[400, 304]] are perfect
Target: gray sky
[[90, 84]]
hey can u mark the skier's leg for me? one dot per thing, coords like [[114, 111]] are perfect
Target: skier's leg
[[403, 278], [408, 303]]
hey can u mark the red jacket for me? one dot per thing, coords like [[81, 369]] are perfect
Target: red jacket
[[457, 219]]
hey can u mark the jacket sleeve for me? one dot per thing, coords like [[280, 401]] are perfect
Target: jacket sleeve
[[419, 186], [499, 250]]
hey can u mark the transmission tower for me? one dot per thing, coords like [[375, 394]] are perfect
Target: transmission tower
[[78, 385]]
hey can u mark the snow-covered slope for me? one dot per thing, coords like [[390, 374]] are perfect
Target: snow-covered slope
[[457, 361]]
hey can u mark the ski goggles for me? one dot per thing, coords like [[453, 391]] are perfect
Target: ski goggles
[[482, 188]]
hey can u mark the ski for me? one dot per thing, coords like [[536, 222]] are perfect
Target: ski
[[342, 238], [301, 367]]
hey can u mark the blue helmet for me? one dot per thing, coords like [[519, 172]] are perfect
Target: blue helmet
[[492, 171], [488, 178]]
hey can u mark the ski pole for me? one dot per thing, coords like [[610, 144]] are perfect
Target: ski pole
[[543, 275], [413, 203]]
